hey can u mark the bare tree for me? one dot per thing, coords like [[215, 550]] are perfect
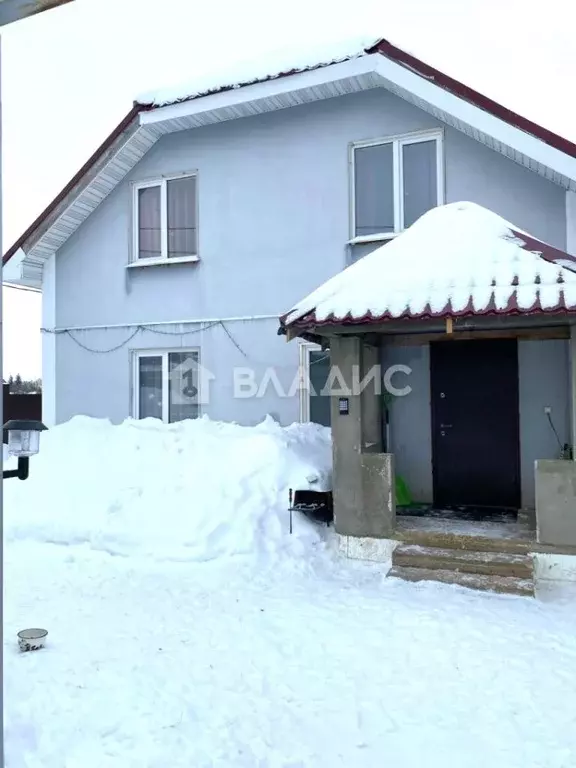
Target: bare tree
[[20, 386]]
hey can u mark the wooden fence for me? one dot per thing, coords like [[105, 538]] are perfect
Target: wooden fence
[[20, 407]]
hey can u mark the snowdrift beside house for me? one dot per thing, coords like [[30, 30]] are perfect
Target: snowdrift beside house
[[196, 490]]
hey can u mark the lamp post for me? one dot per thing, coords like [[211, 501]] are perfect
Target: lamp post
[[11, 10], [23, 442]]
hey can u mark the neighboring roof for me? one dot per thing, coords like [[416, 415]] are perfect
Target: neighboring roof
[[355, 66], [458, 259]]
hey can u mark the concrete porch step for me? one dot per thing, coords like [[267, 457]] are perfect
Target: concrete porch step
[[486, 583], [459, 541], [464, 561]]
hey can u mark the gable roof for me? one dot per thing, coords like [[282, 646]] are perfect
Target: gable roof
[[276, 68], [457, 260], [324, 73]]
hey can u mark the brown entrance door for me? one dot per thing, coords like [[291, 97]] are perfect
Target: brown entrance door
[[475, 423]]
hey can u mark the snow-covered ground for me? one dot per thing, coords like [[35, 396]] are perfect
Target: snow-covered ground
[[227, 647]]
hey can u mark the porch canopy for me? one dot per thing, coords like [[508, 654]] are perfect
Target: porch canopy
[[475, 418], [457, 260]]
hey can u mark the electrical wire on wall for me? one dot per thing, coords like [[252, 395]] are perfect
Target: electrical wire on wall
[[233, 340], [151, 329], [101, 351], [138, 329], [554, 430], [561, 446]]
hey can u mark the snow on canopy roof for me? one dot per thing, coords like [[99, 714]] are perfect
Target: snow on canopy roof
[[457, 259], [277, 64]]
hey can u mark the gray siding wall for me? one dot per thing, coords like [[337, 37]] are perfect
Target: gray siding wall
[[101, 385], [474, 172], [410, 419], [543, 381], [273, 224]]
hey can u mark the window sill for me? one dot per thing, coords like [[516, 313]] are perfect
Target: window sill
[[162, 262], [376, 238]]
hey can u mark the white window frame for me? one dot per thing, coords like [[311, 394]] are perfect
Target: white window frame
[[398, 172], [164, 354], [162, 183]]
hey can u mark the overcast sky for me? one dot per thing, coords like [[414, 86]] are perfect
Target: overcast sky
[[69, 75]]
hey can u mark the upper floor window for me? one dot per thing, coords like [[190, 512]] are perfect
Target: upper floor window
[[395, 181], [166, 220]]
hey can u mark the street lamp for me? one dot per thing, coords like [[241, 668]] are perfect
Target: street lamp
[[23, 442]]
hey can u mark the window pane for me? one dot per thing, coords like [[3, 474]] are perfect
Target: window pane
[[420, 179], [149, 234], [182, 217], [319, 404], [374, 189], [183, 385], [150, 387]]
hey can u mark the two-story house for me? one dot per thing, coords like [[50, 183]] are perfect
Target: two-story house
[[166, 261]]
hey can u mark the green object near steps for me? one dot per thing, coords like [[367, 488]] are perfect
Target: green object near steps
[[403, 497]]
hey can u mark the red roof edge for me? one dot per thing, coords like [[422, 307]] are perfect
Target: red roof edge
[[311, 323], [108, 141], [474, 97], [546, 251]]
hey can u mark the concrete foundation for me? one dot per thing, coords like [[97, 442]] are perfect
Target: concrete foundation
[[556, 502], [372, 550]]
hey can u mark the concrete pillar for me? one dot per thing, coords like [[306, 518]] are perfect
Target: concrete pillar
[[556, 502], [370, 381], [346, 433], [555, 481], [363, 485], [378, 516]]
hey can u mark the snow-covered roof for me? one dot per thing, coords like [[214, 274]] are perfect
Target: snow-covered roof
[[274, 83], [278, 64], [457, 259]]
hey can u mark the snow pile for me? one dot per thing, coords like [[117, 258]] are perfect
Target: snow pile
[[283, 61], [454, 257], [196, 490]]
